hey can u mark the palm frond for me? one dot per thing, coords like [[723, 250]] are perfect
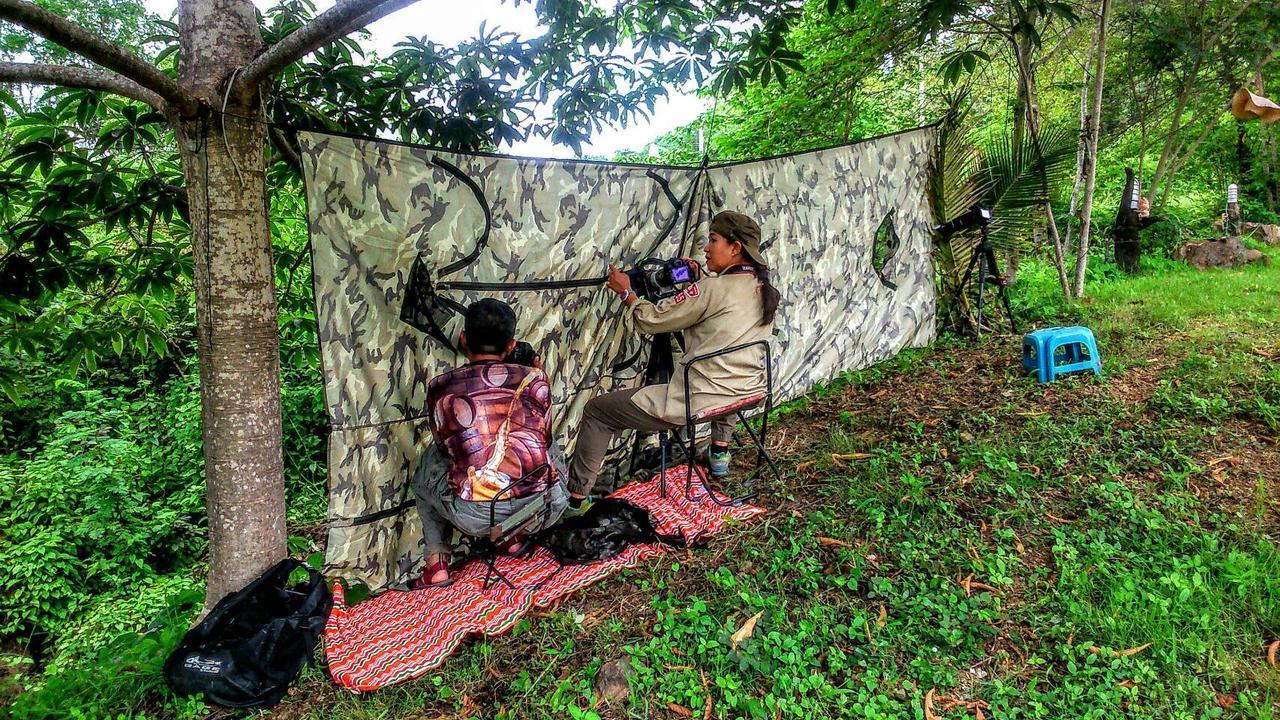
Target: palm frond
[[955, 184], [1016, 182], [1021, 180]]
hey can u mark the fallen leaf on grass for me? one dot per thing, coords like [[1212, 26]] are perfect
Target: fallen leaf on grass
[[884, 616], [983, 586], [680, 710], [804, 466], [950, 703], [1055, 518], [1225, 701], [832, 542], [928, 707], [611, 682], [841, 457], [706, 688], [1229, 459], [745, 631], [1127, 684], [1131, 651], [1271, 652], [1120, 653]]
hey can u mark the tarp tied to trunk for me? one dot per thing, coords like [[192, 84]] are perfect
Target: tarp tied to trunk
[[374, 207]]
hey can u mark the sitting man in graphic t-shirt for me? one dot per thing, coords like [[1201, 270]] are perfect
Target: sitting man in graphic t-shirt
[[491, 422]]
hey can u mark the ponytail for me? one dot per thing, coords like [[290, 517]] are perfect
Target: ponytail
[[769, 295]]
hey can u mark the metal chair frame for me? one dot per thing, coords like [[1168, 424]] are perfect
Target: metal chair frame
[[500, 533], [690, 441]]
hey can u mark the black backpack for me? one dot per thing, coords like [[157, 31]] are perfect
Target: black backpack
[[254, 642], [602, 533]]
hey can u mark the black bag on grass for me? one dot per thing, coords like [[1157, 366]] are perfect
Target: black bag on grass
[[254, 642], [607, 528]]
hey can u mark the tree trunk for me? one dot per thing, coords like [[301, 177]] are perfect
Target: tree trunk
[[1179, 161], [1270, 167], [1171, 138], [1090, 164], [1026, 118], [1062, 248], [237, 332]]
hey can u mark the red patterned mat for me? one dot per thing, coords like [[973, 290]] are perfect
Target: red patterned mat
[[402, 635]]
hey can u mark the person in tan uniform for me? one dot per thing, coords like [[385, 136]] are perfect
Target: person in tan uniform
[[736, 304]]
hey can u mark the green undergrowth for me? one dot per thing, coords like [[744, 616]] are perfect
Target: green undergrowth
[[1115, 576], [948, 532]]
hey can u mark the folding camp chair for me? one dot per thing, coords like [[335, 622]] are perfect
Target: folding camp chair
[[533, 516], [738, 407]]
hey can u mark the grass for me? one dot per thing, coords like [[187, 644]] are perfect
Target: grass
[[1095, 548]]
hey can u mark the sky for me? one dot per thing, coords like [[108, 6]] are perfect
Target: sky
[[449, 22]]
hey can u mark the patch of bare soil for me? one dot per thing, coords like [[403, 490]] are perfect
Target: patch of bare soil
[[1242, 470]]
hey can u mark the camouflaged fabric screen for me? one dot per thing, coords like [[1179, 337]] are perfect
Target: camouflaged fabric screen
[[374, 206]]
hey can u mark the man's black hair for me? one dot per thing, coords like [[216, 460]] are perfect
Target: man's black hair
[[490, 325]]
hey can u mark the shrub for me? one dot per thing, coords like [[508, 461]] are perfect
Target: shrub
[[125, 674], [112, 499]]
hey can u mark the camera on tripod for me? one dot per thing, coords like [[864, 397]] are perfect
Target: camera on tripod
[[982, 264], [654, 279], [978, 215]]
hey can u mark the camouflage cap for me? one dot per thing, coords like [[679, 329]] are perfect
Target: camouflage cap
[[735, 226]]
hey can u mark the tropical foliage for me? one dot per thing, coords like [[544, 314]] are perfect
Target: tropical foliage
[[101, 470]]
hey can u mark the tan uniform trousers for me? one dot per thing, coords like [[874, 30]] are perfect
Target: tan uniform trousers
[[606, 415]]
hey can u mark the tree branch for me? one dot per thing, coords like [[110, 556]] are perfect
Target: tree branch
[[78, 77], [344, 18], [286, 150], [71, 36]]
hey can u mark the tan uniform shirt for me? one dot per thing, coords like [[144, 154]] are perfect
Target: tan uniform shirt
[[714, 313]]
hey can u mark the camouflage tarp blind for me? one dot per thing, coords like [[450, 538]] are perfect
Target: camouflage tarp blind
[[847, 232]]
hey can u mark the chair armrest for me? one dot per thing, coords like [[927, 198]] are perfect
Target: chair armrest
[[735, 406]]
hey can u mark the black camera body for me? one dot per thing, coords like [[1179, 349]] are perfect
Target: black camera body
[[521, 354], [654, 279]]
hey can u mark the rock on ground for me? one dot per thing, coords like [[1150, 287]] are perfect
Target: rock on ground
[[1226, 253], [1269, 234]]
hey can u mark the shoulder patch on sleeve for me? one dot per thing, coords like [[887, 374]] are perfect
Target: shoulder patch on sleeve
[[692, 290], [680, 298]]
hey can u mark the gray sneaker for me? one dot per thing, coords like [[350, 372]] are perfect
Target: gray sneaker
[[718, 463]]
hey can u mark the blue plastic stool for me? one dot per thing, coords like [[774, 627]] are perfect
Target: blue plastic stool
[[1079, 351]]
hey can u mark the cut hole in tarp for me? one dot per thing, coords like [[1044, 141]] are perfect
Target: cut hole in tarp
[[884, 249]]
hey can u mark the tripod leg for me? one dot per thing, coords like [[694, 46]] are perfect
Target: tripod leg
[[964, 283], [1004, 297], [1002, 292], [982, 290]]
